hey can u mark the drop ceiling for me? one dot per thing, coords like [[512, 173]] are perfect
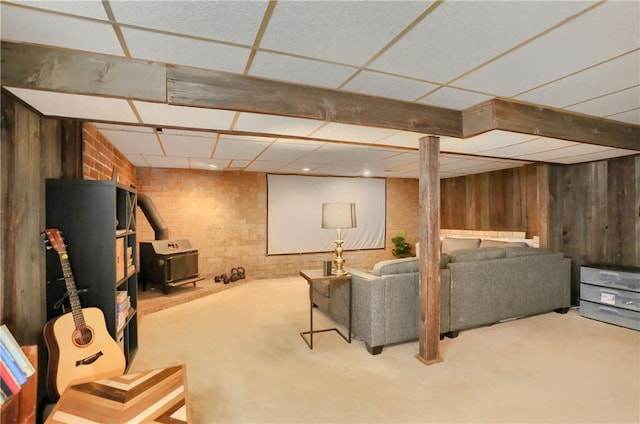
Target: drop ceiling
[[574, 56]]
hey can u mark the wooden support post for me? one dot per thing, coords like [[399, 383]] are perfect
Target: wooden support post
[[429, 307]]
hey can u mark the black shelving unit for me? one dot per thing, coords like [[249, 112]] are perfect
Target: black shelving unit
[[98, 224]]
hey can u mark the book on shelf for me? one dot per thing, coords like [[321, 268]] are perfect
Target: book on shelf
[[6, 337], [9, 384], [12, 366]]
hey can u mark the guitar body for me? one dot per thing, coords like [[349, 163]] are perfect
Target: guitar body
[[80, 355]]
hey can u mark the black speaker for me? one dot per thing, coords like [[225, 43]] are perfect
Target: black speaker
[[328, 267]]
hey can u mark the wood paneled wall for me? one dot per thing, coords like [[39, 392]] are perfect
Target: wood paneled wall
[[594, 213], [500, 200], [33, 149]]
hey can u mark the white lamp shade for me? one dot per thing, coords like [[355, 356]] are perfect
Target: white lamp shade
[[339, 215]]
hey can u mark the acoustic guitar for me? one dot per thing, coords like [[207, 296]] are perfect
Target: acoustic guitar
[[80, 346]]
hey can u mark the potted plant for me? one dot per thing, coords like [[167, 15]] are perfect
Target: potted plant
[[402, 249]]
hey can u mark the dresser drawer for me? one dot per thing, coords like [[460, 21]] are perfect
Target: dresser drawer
[[610, 296], [610, 314], [611, 277]]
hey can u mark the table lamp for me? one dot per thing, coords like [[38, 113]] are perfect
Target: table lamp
[[338, 216]]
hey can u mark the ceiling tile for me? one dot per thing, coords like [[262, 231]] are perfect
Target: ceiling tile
[[269, 124], [88, 8], [231, 21], [320, 26], [630, 116], [606, 154], [187, 146], [355, 133], [620, 101], [404, 139], [521, 149], [183, 51], [265, 166], [485, 141], [453, 98], [167, 162], [384, 85], [133, 143], [570, 150], [160, 115], [617, 74], [208, 164], [286, 151], [57, 30], [475, 31], [303, 71], [617, 23], [76, 105], [138, 161], [236, 147]]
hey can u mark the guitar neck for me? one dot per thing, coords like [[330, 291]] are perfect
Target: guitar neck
[[72, 291]]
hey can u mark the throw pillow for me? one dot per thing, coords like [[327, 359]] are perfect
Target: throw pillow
[[449, 244], [472, 255]]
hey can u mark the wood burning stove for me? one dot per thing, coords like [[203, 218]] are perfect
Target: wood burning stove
[[171, 262]]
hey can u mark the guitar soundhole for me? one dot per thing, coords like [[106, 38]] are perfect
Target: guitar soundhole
[[82, 336]]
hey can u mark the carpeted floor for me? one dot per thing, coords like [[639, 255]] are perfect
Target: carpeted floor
[[246, 363]]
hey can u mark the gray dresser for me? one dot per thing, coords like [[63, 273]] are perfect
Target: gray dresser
[[611, 295]]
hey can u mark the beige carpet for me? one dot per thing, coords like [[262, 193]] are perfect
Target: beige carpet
[[246, 363]]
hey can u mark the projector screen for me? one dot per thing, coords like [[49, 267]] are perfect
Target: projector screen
[[294, 213]]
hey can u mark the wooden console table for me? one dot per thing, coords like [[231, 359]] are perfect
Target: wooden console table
[[317, 275]]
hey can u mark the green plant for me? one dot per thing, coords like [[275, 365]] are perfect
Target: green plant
[[402, 249]]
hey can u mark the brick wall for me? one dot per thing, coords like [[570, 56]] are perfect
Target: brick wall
[[224, 215], [100, 159]]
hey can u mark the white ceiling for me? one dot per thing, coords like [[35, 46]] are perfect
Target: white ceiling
[[580, 56]]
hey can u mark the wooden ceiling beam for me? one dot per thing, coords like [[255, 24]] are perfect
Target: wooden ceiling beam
[[221, 90], [69, 71]]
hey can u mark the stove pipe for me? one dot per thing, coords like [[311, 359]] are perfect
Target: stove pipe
[[150, 211]]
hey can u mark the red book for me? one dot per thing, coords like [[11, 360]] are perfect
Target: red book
[[7, 380]]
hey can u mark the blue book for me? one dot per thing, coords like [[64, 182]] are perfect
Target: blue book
[[14, 369]]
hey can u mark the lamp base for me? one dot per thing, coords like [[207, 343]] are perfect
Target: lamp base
[[338, 262]]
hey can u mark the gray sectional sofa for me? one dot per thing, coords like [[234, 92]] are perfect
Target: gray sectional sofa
[[480, 285]]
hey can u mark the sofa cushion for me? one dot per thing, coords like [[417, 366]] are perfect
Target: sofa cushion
[[449, 244], [444, 260], [525, 251], [396, 266], [469, 255], [502, 243]]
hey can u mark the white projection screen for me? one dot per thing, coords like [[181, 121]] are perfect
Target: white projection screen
[[294, 213]]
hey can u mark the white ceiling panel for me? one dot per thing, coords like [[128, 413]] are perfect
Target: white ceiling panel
[[160, 115], [138, 161], [611, 104], [208, 164], [265, 166], [76, 105], [558, 155], [566, 50], [166, 161], [184, 145], [385, 85], [124, 128], [183, 51], [286, 151], [529, 147], [232, 147], [88, 8], [453, 98], [630, 116], [404, 139], [356, 133], [53, 29], [320, 26], [254, 122], [615, 75], [482, 142], [231, 21], [475, 31], [299, 70], [602, 155], [132, 143]]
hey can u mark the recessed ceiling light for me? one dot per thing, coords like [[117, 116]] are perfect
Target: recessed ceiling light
[[366, 173], [213, 165], [305, 170]]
